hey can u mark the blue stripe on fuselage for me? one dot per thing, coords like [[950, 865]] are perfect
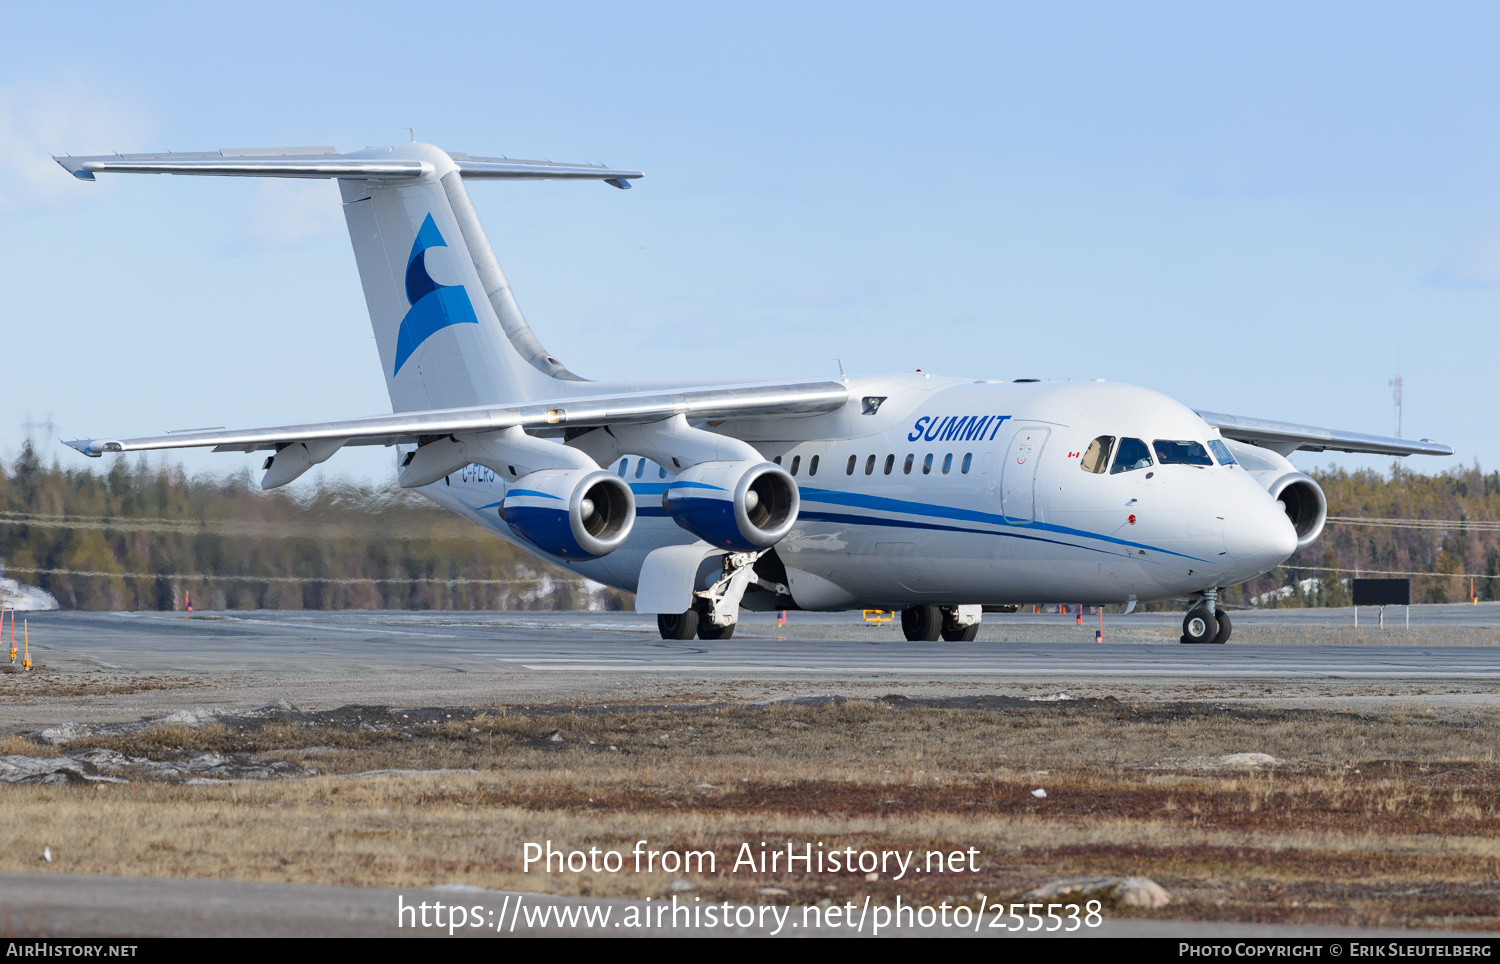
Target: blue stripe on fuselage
[[870, 520], [882, 504]]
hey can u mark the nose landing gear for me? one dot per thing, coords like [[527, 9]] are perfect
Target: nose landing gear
[[1206, 623]]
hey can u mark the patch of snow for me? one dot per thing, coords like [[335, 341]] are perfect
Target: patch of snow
[[24, 598], [1247, 760]]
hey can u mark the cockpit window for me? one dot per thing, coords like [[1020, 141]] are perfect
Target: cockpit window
[[1181, 453], [1221, 452], [1131, 455], [1096, 458]]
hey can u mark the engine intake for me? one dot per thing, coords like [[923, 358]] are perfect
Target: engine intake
[[1304, 503], [741, 506], [571, 513]]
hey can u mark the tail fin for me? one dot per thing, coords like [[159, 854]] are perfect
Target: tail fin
[[448, 329]]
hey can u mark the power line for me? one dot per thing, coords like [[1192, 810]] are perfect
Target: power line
[[236, 527], [1479, 525], [339, 580], [1387, 572]]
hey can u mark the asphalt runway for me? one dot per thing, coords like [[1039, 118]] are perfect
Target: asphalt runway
[[814, 643], [326, 659]]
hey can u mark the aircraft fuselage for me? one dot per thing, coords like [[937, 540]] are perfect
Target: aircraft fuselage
[[931, 490]]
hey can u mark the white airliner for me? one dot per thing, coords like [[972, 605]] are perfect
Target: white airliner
[[943, 497]]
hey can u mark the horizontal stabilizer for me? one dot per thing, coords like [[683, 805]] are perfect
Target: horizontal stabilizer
[[325, 162], [1286, 438], [750, 401]]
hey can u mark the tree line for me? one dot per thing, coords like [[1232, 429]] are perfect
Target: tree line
[[148, 537]]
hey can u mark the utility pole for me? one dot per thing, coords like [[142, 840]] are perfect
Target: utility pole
[[31, 427], [1396, 395]]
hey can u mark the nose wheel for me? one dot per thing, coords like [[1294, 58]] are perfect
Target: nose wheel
[[1202, 626]]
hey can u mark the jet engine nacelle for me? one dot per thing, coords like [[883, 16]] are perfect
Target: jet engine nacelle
[[1300, 496], [742, 506], [1305, 505], [573, 513]]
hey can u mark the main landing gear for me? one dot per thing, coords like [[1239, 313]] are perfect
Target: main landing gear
[[924, 624], [716, 610], [1206, 623], [689, 624]]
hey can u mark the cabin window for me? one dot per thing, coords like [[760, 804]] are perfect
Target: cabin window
[[947, 463], [777, 460], [640, 467], [812, 466], [661, 473], [906, 469], [968, 460], [1221, 452], [849, 468], [1096, 456], [1131, 455], [927, 464], [796, 461], [1181, 453], [623, 463], [870, 465], [890, 463]]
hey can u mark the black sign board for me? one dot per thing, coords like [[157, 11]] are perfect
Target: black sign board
[[1382, 592]]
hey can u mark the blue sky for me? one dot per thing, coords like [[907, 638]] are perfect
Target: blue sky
[[1263, 209]]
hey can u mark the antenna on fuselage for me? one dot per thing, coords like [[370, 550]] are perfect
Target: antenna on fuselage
[[841, 366]]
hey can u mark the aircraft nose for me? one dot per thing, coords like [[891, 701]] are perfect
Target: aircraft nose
[[1258, 534]]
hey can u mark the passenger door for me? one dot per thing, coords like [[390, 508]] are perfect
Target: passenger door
[[1018, 475]]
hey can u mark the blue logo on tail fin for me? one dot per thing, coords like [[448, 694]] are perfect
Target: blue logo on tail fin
[[433, 306]]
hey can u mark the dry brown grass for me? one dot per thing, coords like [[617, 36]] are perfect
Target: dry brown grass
[[42, 683], [1370, 819]]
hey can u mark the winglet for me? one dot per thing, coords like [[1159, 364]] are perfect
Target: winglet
[[76, 170], [94, 448]]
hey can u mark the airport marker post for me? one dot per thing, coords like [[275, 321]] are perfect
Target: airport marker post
[[26, 634]]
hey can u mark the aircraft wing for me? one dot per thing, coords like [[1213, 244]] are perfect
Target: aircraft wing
[[1286, 437], [703, 404]]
